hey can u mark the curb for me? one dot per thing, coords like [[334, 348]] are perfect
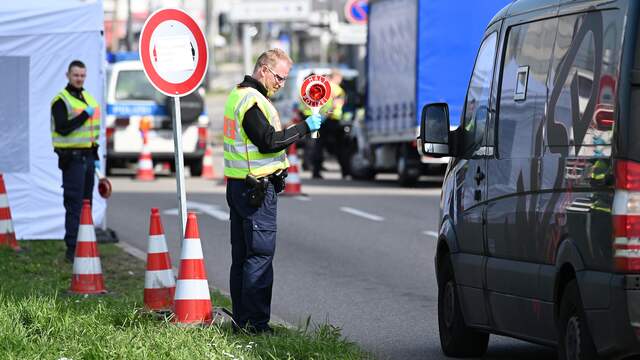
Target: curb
[[141, 255]]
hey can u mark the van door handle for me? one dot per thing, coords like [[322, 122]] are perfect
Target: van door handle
[[479, 176]]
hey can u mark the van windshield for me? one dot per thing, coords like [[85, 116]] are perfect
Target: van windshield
[[133, 85]]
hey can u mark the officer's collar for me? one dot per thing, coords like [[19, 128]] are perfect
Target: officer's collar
[[253, 83], [73, 90]]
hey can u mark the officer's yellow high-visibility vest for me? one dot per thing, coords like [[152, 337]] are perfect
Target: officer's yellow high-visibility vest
[[336, 102], [241, 156], [86, 135]]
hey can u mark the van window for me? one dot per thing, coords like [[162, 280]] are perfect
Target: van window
[[583, 93], [477, 103], [133, 85], [523, 92]]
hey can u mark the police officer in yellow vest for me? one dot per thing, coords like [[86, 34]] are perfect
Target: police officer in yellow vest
[[332, 133], [255, 165], [75, 128]]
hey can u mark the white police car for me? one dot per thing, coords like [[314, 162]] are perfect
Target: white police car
[[131, 100]]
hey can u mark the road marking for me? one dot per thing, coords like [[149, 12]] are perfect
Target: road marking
[[209, 209], [363, 214], [431, 233], [303, 198]]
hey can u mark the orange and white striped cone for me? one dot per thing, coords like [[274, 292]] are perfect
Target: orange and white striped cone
[[145, 163], [207, 164], [192, 303], [7, 234], [159, 280], [87, 270], [292, 185]]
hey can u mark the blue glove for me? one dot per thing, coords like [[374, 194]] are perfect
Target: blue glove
[[89, 110], [314, 122], [96, 164]]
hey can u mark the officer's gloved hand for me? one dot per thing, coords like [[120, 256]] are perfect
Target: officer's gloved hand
[[89, 110], [314, 122], [96, 164]]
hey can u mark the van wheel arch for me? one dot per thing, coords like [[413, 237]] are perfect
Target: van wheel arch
[[564, 277]]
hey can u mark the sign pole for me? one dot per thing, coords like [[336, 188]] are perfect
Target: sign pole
[[179, 159]]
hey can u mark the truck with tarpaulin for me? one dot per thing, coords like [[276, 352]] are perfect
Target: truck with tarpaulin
[[418, 52]]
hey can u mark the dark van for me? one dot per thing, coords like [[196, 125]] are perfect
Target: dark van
[[540, 212]]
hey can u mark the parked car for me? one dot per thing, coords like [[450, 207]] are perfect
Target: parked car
[[131, 99], [539, 225]]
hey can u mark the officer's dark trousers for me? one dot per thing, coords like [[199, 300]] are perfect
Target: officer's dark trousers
[[253, 243], [77, 183]]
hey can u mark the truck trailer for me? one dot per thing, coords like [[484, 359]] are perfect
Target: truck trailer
[[418, 52]]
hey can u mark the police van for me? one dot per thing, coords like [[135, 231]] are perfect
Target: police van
[[133, 102], [540, 209]]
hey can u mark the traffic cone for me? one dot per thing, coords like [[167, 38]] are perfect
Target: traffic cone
[[207, 164], [145, 164], [292, 186], [159, 280], [7, 234], [87, 270], [192, 303]]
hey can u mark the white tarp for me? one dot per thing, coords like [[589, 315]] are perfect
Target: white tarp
[[38, 40]]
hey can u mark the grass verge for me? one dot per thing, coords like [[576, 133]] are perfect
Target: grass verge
[[39, 320]]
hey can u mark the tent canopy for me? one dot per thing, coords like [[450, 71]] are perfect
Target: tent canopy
[[38, 40]]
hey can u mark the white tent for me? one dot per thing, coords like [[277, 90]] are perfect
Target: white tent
[[38, 39]]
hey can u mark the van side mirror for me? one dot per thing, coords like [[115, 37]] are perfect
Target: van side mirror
[[434, 130]]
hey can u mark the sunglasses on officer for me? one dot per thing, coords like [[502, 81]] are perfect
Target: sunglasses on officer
[[279, 78]]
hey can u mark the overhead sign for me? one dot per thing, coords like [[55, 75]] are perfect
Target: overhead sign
[[356, 11], [269, 10], [173, 51], [315, 91]]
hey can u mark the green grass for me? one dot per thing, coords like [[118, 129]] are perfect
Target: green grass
[[39, 320]]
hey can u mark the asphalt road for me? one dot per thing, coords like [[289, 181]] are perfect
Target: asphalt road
[[358, 255]]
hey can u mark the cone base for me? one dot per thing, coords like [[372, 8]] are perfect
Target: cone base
[[145, 177], [87, 284], [9, 239], [159, 299], [193, 312]]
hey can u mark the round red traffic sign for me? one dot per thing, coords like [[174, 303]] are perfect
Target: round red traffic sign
[[356, 11], [173, 51], [315, 90]]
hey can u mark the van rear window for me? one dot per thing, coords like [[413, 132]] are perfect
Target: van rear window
[[133, 85]]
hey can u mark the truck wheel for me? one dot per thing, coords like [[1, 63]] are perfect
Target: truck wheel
[[360, 167], [456, 339], [408, 166], [575, 342], [195, 167]]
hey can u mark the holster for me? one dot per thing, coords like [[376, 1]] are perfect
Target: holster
[[258, 190], [64, 157]]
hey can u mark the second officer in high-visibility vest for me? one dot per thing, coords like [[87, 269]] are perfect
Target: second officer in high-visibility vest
[[75, 129], [255, 164], [332, 136]]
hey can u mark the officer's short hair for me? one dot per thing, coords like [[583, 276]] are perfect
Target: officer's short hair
[[76, 63], [271, 57]]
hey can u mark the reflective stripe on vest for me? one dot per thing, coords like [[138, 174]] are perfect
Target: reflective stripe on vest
[[241, 156], [86, 135]]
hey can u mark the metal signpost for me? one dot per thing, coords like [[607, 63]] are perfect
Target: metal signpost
[[315, 92], [175, 57]]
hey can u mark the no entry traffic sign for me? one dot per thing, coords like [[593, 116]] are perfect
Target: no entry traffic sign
[[356, 11], [315, 92], [173, 51]]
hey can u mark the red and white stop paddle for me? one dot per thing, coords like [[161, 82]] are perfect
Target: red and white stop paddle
[[315, 92]]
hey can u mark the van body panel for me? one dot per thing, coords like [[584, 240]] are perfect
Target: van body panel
[[534, 208], [523, 318]]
